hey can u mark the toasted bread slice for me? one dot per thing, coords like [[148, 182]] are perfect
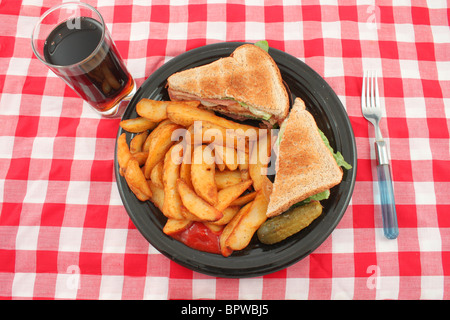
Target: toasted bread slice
[[305, 166], [249, 75]]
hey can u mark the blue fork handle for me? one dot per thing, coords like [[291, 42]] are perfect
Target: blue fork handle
[[390, 225]]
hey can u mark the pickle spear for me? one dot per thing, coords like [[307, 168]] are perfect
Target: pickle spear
[[289, 223]]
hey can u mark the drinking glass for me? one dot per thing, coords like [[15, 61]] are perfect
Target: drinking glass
[[72, 40]]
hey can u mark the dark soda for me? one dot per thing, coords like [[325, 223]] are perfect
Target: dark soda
[[96, 72]]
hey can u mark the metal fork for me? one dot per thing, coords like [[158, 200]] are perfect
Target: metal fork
[[371, 109]]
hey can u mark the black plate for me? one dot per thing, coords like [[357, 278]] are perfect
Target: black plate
[[257, 259]]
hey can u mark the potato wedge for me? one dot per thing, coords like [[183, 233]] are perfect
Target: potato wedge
[[244, 199], [141, 157], [157, 197], [156, 176], [266, 187], [214, 227], [189, 215], [228, 195], [155, 110], [228, 156], [219, 162], [205, 132], [225, 250], [227, 178], [248, 224], [137, 142], [185, 173], [202, 174], [228, 214], [172, 200], [123, 152], [137, 125], [174, 226], [243, 160], [258, 161], [197, 205], [160, 143], [186, 115], [136, 180], [147, 142]]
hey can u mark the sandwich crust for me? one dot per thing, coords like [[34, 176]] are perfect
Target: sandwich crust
[[248, 75], [305, 166]]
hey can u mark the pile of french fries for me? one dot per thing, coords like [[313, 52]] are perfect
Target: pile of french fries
[[197, 166]]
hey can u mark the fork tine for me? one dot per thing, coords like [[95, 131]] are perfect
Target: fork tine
[[377, 94], [372, 89]]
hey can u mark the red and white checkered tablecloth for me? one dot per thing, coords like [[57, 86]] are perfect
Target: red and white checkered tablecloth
[[64, 233]]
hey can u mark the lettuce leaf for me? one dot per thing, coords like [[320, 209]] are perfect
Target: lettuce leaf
[[263, 44], [337, 155]]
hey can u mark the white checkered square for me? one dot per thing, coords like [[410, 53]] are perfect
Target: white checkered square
[[432, 287], [343, 241], [42, 148], [25, 26], [441, 34], [140, 31], [424, 193], [84, 148], [429, 239], [420, 149], [156, 288], [342, 288], [9, 104], [204, 289], [27, 238], [368, 31], [436, 4], [415, 107], [23, 285], [51, 106], [78, 192], [115, 240], [251, 288], [177, 31], [404, 32], [293, 30], [216, 30], [254, 31], [67, 285], [409, 69], [297, 289], [111, 287], [443, 70], [18, 66], [70, 239], [36, 191], [7, 143], [334, 67], [388, 287], [331, 30], [137, 67]]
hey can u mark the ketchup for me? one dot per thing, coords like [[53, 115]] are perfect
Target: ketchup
[[200, 237]]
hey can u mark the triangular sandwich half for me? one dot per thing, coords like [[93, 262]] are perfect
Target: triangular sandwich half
[[305, 165], [247, 84]]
